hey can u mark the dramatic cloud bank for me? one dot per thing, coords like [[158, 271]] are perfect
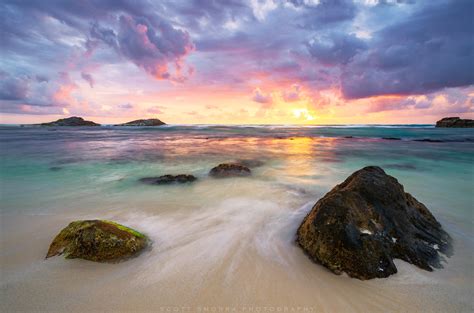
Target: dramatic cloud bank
[[239, 61]]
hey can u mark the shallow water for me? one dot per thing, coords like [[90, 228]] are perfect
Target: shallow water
[[226, 243]]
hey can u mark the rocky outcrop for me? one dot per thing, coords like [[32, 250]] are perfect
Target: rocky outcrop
[[70, 121], [148, 122], [229, 170], [97, 240], [455, 122], [361, 225], [168, 179]]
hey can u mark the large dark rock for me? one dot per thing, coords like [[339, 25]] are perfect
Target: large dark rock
[[455, 122], [229, 170], [361, 225], [97, 240], [71, 121], [148, 122], [168, 179]]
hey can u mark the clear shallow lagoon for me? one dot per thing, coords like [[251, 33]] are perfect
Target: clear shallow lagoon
[[227, 242]]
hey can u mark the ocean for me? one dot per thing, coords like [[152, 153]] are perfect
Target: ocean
[[221, 244]]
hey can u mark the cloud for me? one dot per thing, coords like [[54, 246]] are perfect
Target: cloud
[[293, 94], [335, 48], [150, 49], [36, 95], [323, 13], [12, 88], [430, 50], [134, 29], [262, 8], [260, 97], [88, 78], [352, 49], [451, 101], [107, 35], [125, 106], [156, 109]]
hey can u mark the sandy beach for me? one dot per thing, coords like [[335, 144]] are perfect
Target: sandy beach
[[217, 244]]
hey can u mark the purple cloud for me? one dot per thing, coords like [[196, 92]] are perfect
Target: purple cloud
[[12, 88], [125, 106], [293, 94], [354, 47], [430, 50], [88, 78], [153, 48], [260, 97], [336, 48]]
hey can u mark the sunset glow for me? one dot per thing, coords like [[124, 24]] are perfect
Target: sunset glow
[[249, 62]]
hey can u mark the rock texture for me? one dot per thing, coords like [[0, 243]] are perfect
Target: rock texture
[[97, 240], [455, 122], [168, 179], [71, 121], [361, 225], [149, 122], [229, 170]]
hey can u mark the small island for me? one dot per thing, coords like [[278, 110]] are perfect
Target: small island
[[144, 122], [70, 121], [455, 122]]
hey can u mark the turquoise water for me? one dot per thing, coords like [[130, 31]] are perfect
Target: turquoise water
[[41, 166], [50, 176]]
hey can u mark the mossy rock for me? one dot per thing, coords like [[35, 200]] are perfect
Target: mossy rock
[[97, 240]]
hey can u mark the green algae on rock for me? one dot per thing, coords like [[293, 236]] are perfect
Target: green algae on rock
[[97, 240]]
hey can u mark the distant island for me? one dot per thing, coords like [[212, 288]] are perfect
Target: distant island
[[79, 121], [455, 122], [70, 121], [148, 122]]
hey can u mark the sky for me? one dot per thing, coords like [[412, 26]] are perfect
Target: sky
[[237, 61]]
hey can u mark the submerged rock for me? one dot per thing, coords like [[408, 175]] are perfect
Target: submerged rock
[[361, 225], [168, 179], [97, 240], [455, 122], [391, 138], [428, 140], [71, 121], [402, 166], [250, 162], [229, 170], [148, 122]]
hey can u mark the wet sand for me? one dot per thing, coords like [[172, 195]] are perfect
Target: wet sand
[[233, 260]]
